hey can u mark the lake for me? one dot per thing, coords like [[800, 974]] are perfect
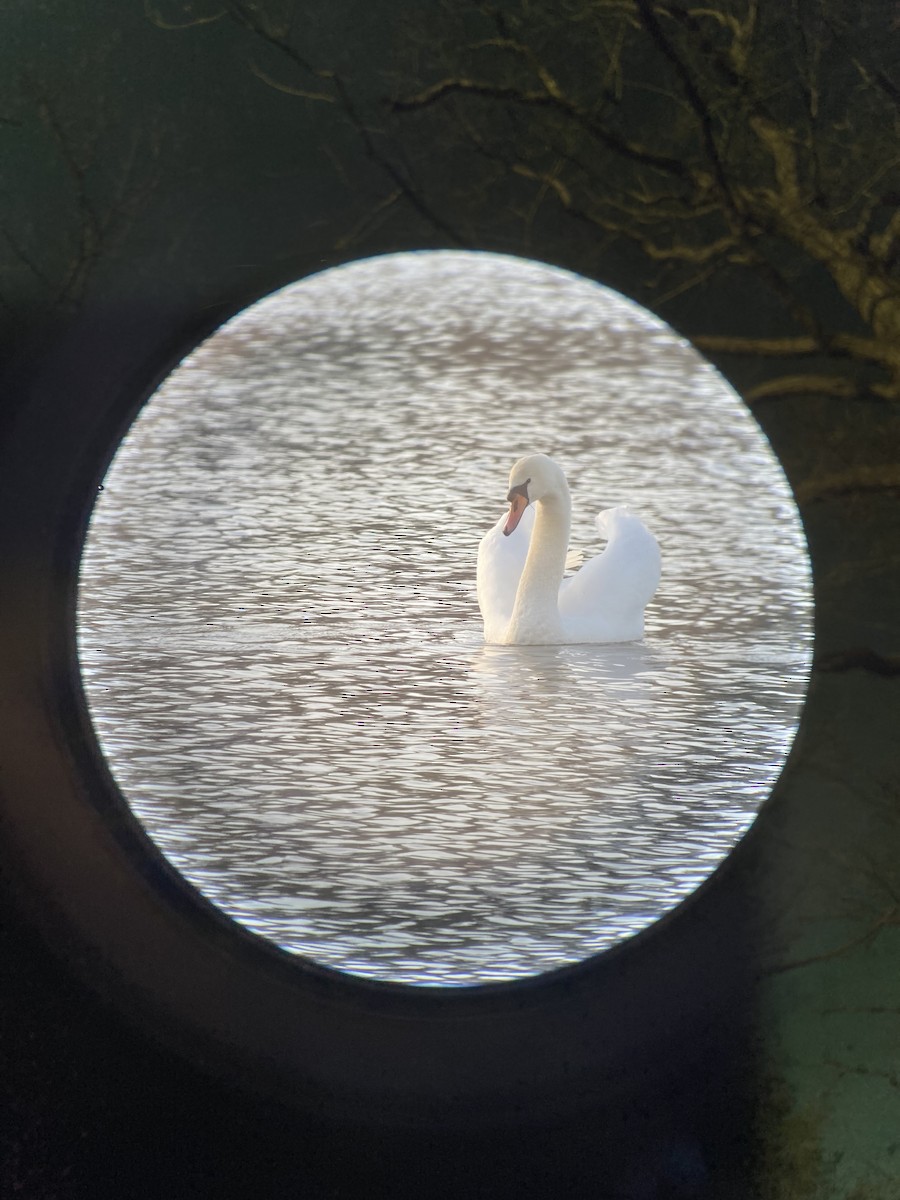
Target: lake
[[282, 650]]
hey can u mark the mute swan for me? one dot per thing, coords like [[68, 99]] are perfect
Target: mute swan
[[523, 596]]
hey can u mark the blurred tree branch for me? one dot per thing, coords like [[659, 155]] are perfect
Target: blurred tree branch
[[280, 28], [713, 136], [720, 139], [95, 208]]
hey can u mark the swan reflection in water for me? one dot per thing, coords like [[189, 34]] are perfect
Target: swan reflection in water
[[524, 595], [620, 759]]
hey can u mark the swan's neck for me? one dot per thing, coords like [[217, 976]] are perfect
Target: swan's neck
[[535, 616]]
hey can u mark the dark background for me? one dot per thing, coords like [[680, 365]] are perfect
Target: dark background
[[155, 180]]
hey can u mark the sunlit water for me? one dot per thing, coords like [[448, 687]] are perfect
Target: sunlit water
[[282, 649]]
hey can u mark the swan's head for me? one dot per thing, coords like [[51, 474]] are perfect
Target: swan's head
[[534, 477]]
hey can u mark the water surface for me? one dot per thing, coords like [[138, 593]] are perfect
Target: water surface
[[282, 650]]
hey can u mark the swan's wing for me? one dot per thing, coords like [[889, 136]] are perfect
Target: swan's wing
[[574, 559], [615, 586], [500, 563]]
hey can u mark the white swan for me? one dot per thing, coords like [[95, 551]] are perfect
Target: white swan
[[523, 596]]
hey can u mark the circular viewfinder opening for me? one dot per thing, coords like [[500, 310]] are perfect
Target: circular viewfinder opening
[[285, 660]]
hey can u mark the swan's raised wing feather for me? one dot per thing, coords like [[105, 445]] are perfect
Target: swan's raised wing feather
[[574, 559], [613, 587]]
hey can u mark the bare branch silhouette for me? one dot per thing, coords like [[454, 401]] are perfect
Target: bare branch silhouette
[[97, 204], [703, 136]]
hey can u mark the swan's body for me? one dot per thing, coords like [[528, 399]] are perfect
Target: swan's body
[[523, 595]]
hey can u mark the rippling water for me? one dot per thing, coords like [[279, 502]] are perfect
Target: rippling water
[[282, 650]]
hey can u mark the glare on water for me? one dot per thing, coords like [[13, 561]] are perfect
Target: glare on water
[[282, 650]]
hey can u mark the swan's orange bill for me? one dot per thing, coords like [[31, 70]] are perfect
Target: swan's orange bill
[[517, 506]]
